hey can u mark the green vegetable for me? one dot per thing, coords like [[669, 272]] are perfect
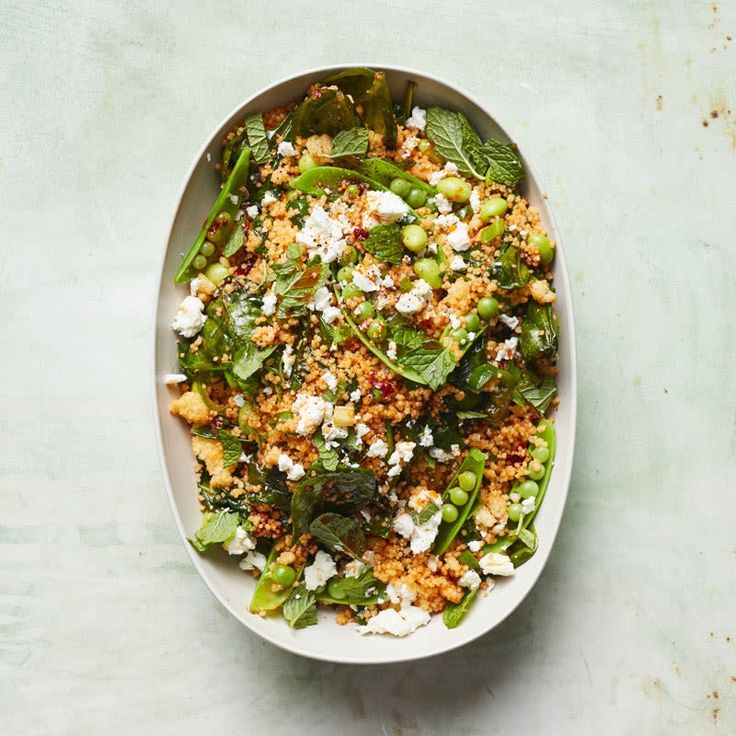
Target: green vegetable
[[509, 268], [400, 187], [385, 243], [416, 198], [200, 262], [364, 311], [237, 180], [317, 179], [432, 362], [217, 273], [350, 143], [306, 162], [466, 480], [234, 243], [542, 244], [283, 575], [458, 496], [472, 321], [455, 612], [493, 207], [327, 456], [429, 270], [257, 138], [488, 307], [527, 488], [455, 189], [514, 512], [492, 231], [362, 590], [449, 513], [345, 274], [538, 332], [264, 597], [324, 111], [249, 360], [232, 449], [504, 162], [296, 287], [339, 534], [414, 238], [537, 393], [387, 172], [300, 608], [274, 490], [215, 529], [474, 462], [541, 454]]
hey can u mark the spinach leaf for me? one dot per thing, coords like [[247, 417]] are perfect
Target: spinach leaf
[[257, 138], [509, 268], [274, 490], [339, 534], [363, 590], [324, 111], [239, 311], [504, 163], [473, 370], [538, 332], [384, 243], [221, 500], [343, 490], [300, 608], [231, 447], [334, 335], [537, 393], [471, 415], [350, 143], [296, 287], [327, 455], [249, 360], [455, 612], [432, 362], [445, 130], [298, 210], [215, 528], [214, 344]]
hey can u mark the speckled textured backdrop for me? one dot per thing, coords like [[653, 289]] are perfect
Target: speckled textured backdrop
[[628, 110]]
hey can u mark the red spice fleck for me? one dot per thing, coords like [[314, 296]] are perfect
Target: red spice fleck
[[360, 233]]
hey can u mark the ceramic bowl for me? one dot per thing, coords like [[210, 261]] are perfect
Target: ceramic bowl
[[233, 588]]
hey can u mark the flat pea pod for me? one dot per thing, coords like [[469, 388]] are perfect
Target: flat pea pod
[[223, 204], [264, 598], [474, 462], [384, 171]]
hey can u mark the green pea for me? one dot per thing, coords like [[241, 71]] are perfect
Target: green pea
[[376, 328], [220, 224], [364, 310], [283, 575], [199, 262], [536, 470], [472, 322], [416, 198], [449, 513], [431, 205], [459, 335], [345, 274], [492, 231], [515, 512], [352, 191], [207, 249], [217, 273], [455, 189], [424, 145], [306, 162], [349, 256], [405, 285], [458, 496], [493, 207], [350, 291], [466, 480], [400, 186], [429, 270], [414, 238], [527, 489], [542, 244], [541, 454], [488, 307], [335, 589]]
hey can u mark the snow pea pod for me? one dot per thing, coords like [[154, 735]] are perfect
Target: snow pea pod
[[264, 597], [316, 180], [223, 204], [384, 171], [474, 462]]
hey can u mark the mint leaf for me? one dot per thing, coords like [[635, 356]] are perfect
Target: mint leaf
[[471, 415], [352, 142], [426, 513], [296, 287], [504, 163], [215, 528], [249, 360], [455, 612], [300, 608], [538, 332], [257, 138], [539, 396], [433, 364], [509, 269], [234, 242], [339, 534], [445, 130], [402, 334], [385, 244], [230, 446], [327, 456]]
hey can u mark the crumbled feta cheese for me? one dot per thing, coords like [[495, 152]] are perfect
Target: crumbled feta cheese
[[391, 351], [294, 471], [458, 264], [252, 211], [458, 239], [245, 457], [483, 517], [321, 300], [402, 594], [268, 198], [403, 452], [320, 571], [432, 564], [253, 561], [171, 379], [234, 199], [413, 301], [446, 221], [444, 206], [507, 350], [355, 396], [355, 568], [239, 400], [388, 207], [475, 202], [288, 359], [330, 379], [404, 525], [417, 120], [194, 285], [387, 282], [471, 580], [330, 315], [476, 545], [494, 563], [364, 283], [189, 320], [426, 438], [454, 320], [377, 448], [310, 411], [269, 303], [398, 623], [435, 178], [511, 322], [514, 497], [238, 542], [286, 149], [528, 505], [361, 430], [421, 536], [442, 456], [322, 235]]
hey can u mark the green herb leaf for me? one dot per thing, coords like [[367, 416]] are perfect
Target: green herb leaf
[[426, 513], [539, 395], [215, 529], [350, 143], [339, 534], [385, 244], [296, 287], [509, 268], [403, 334], [231, 447], [274, 490], [455, 612], [300, 608], [249, 360], [527, 538], [504, 163], [234, 242], [538, 332], [432, 362], [362, 590], [327, 456], [257, 138], [445, 130], [334, 335], [324, 111], [384, 171], [471, 415]]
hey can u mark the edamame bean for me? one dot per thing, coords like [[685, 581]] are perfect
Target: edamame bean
[[217, 273], [414, 238], [306, 162], [345, 274], [488, 307], [350, 291], [541, 454], [207, 249], [472, 322], [199, 262], [467, 480], [449, 513], [400, 186], [458, 496], [349, 256], [283, 575], [364, 310], [527, 489], [542, 244], [491, 232], [416, 198], [429, 270], [493, 207], [454, 188], [515, 512]]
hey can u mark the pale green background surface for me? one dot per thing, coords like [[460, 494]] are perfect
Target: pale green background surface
[[104, 625]]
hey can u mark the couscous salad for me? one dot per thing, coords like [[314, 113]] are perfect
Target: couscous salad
[[367, 359]]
